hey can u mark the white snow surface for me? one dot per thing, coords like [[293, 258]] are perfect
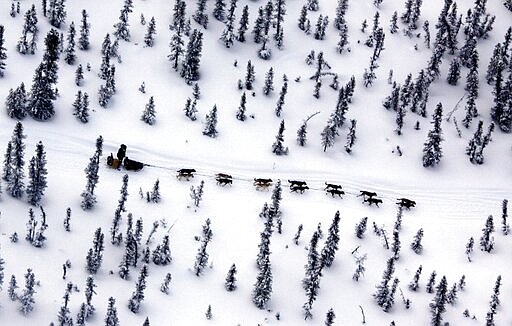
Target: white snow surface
[[453, 199]]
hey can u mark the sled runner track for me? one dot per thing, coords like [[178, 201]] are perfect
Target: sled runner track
[[453, 197]]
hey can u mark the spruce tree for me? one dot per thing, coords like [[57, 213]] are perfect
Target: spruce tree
[[210, 128], [200, 16], [111, 318], [329, 318], [3, 52], [269, 82], [56, 12], [262, 291], [414, 286], [27, 42], [454, 72], [149, 38], [219, 11], [79, 75], [361, 227], [149, 114], [83, 40], [487, 240], [165, 285], [278, 147], [190, 69], [259, 26], [121, 30], [438, 304], [177, 50], [64, 317], [243, 25], [431, 282], [91, 173], [26, 298], [303, 18], [14, 170], [201, 258], [162, 252], [505, 227], [240, 113], [70, 56], [228, 35], [280, 100], [416, 245], [230, 283], [11, 291], [37, 176], [331, 243], [311, 280], [432, 148], [383, 290]]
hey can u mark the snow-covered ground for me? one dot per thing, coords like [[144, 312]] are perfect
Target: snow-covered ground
[[453, 199]]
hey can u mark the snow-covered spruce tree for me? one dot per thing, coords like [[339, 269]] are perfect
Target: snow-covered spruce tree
[[454, 72], [70, 56], [262, 291], [228, 34], [438, 304], [218, 10], [200, 16], [208, 313], [329, 318], [64, 316], [11, 291], [497, 58], [240, 113], [280, 100], [328, 134], [95, 254], [391, 296], [342, 44], [278, 147], [303, 18], [162, 252], [487, 240], [14, 163], [297, 235], [311, 280], [230, 283], [432, 152], [26, 298], [243, 25], [501, 111], [431, 282], [250, 76], [361, 227], [56, 12], [138, 295], [505, 227], [83, 40], [124, 194], [149, 38], [416, 245], [42, 94], [190, 67], [111, 318], [508, 4], [16, 103], [149, 114], [383, 289], [395, 246], [393, 27], [201, 261], [37, 176], [360, 269], [196, 193], [27, 42], [155, 192], [210, 127], [190, 109], [3, 52], [331, 243], [79, 75], [196, 91], [121, 30], [67, 220], [164, 287], [351, 136], [414, 286]]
